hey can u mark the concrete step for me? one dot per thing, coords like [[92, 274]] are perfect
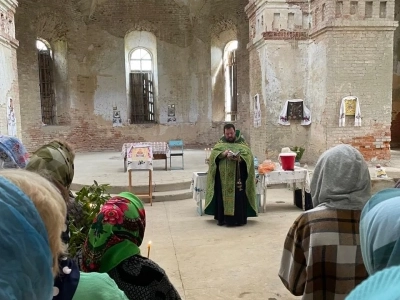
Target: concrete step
[[163, 196], [142, 189], [171, 196]]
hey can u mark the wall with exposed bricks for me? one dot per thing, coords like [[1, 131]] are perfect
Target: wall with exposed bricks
[[320, 51], [334, 50], [91, 77]]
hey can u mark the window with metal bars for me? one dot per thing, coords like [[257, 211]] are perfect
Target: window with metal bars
[[46, 81], [141, 87], [231, 81]]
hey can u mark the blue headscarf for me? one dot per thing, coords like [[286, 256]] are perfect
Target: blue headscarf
[[25, 258], [382, 285], [12, 152], [380, 231]]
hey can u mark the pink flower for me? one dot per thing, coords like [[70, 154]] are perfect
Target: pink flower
[[112, 214]]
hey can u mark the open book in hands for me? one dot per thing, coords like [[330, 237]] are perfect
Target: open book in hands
[[233, 154]]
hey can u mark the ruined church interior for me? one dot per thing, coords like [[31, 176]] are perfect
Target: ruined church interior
[[99, 74]]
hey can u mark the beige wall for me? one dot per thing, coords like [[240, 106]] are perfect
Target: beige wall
[[337, 56], [91, 77], [8, 64]]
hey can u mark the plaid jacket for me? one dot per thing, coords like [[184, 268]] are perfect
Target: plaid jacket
[[322, 255]]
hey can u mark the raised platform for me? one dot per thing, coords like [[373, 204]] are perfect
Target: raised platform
[[108, 167]]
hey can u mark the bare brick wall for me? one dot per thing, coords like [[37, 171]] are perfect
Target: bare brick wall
[[95, 56], [366, 76], [353, 56]]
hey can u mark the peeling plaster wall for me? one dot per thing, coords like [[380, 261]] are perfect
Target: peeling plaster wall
[[317, 74], [8, 65], [309, 57], [281, 80], [91, 68], [395, 127]]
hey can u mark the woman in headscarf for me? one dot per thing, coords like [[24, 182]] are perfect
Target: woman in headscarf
[[31, 221], [380, 239], [12, 153], [382, 285], [322, 254], [113, 245], [55, 162]]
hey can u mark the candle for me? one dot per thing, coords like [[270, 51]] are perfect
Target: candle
[[148, 249], [205, 150]]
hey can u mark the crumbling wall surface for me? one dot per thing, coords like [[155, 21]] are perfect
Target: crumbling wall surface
[[8, 65], [91, 79], [334, 50]]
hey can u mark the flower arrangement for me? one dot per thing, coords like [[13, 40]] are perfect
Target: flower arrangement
[[299, 152]]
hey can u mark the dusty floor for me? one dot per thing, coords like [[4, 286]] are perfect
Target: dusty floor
[[206, 261], [203, 260]]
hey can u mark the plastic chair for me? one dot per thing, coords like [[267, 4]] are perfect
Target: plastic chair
[[176, 149]]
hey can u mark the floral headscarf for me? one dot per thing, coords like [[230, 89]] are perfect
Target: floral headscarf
[[55, 160], [12, 151], [116, 233]]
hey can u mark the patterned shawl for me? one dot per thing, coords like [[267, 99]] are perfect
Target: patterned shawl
[[54, 160], [12, 152], [380, 231], [341, 179], [25, 257], [116, 233], [228, 173]]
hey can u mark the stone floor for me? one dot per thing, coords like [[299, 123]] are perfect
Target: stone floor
[[203, 260], [206, 261], [108, 167]]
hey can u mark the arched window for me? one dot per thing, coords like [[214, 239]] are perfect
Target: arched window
[[141, 86], [230, 66], [141, 61], [46, 82]]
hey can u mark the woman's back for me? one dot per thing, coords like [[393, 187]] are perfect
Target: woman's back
[[97, 286], [141, 278], [324, 244]]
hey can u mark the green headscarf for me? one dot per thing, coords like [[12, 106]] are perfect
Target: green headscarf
[[55, 160], [116, 233]]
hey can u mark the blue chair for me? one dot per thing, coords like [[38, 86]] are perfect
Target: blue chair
[[176, 149]]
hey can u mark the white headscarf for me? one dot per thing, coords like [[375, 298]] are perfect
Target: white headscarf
[[341, 179]]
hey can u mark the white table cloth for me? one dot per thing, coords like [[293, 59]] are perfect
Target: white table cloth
[[157, 148], [198, 187], [298, 178]]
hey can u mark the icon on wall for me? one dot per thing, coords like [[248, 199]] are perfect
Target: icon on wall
[[117, 122], [257, 111], [11, 120], [171, 113], [295, 111]]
